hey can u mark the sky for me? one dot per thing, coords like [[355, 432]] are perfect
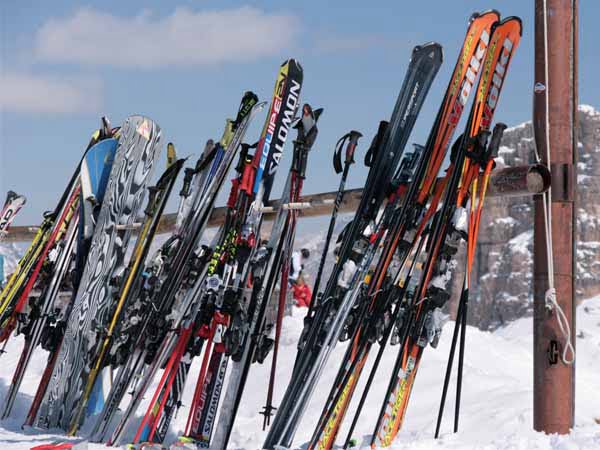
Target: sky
[[185, 64]]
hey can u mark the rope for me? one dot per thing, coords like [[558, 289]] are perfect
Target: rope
[[563, 324], [550, 294]]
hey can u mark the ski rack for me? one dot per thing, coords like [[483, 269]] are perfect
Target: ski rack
[[294, 206], [526, 180]]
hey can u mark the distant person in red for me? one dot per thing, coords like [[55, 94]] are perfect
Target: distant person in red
[[300, 289], [302, 294]]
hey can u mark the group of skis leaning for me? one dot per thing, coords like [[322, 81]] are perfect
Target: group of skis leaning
[[104, 310]]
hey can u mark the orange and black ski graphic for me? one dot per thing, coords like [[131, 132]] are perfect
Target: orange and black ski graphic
[[503, 42]]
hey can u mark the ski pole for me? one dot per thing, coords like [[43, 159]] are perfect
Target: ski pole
[[352, 140]]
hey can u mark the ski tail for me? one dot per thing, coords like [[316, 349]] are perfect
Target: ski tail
[[211, 395], [148, 425], [174, 402], [396, 406], [328, 430]]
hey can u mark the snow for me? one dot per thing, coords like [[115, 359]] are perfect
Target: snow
[[518, 127], [521, 242], [507, 221], [589, 109], [506, 150], [12, 252], [496, 410], [500, 162]]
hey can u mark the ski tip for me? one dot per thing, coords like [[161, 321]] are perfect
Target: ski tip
[[106, 128], [317, 113], [292, 62], [513, 19], [171, 154], [477, 15], [249, 96], [432, 50], [429, 45], [142, 126]]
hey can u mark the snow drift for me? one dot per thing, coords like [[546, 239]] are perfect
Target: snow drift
[[497, 406]]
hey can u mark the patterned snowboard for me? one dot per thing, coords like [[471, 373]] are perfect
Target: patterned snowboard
[[136, 154]]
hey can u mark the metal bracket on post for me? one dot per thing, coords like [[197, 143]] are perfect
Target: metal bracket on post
[[519, 181], [553, 352]]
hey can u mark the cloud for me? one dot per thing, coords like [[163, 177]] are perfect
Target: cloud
[[26, 93], [185, 38]]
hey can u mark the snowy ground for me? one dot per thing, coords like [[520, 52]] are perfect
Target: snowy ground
[[496, 408]]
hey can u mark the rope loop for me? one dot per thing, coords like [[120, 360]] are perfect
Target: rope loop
[[563, 324]]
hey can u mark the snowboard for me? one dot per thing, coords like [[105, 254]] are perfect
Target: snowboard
[[133, 165]]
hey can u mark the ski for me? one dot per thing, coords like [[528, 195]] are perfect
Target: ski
[[276, 128], [353, 260], [14, 286], [418, 169], [32, 326], [13, 204], [268, 267], [150, 344], [445, 232]]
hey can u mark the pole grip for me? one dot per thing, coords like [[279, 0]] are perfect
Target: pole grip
[[496, 139], [351, 147]]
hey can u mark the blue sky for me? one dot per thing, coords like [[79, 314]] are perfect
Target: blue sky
[[186, 64]]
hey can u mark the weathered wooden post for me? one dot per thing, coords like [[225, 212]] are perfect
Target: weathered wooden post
[[555, 115]]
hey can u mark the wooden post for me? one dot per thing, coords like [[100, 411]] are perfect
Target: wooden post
[[554, 381]]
